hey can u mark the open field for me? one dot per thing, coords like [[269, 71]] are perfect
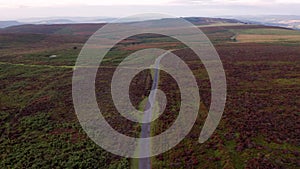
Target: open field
[[269, 31], [263, 35], [254, 129], [259, 128], [244, 38]]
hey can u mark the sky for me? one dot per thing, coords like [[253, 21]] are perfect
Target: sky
[[20, 9]]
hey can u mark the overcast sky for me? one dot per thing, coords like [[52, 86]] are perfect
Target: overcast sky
[[18, 9]]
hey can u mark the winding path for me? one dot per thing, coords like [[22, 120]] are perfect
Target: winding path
[[145, 163]]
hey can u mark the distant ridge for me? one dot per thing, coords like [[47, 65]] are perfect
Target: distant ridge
[[204, 20], [4, 24], [87, 28], [287, 21]]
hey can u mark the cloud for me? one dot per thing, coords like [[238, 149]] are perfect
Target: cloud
[[234, 2], [48, 3], [51, 3], [13, 9]]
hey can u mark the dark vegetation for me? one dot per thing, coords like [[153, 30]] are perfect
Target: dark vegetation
[[260, 127]]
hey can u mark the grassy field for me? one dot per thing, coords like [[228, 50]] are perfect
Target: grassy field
[[244, 38], [263, 35], [259, 128], [270, 31]]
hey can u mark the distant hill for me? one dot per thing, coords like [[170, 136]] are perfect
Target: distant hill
[[287, 21], [67, 29], [55, 21], [89, 28], [205, 21], [197, 20], [4, 24], [67, 20]]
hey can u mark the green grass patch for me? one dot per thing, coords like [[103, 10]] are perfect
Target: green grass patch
[[287, 82], [267, 31]]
